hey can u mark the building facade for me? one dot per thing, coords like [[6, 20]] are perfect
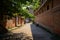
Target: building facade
[[48, 15]]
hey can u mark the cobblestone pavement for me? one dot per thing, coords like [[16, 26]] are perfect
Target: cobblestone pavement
[[28, 32]]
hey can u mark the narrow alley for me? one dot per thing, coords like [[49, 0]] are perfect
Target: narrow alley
[[28, 32], [30, 20]]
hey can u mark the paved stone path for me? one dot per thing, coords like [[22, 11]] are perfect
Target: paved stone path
[[28, 32], [39, 33], [21, 33]]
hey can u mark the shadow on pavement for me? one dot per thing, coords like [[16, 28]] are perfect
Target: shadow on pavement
[[15, 36]]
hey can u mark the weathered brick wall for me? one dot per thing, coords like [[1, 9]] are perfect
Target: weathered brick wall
[[10, 23], [50, 18], [56, 3]]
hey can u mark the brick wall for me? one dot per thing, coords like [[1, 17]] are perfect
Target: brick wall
[[51, 17], [10, 23]]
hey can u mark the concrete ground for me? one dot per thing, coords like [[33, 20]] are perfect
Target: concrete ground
[[28, 32]]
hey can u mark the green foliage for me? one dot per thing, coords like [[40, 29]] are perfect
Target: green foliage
[[35, 4], [15, 7], [12, 6]]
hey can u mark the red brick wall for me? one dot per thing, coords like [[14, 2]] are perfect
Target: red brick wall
[[10, 23], [50, 18], [56, 3]]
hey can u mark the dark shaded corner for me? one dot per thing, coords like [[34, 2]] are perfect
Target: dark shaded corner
[[16, 36], [3, 30]]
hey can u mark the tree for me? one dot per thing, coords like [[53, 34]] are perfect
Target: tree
[[15, 6], [36, 4]]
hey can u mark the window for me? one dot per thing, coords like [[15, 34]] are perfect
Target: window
[[47, 7], [52, 3]]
